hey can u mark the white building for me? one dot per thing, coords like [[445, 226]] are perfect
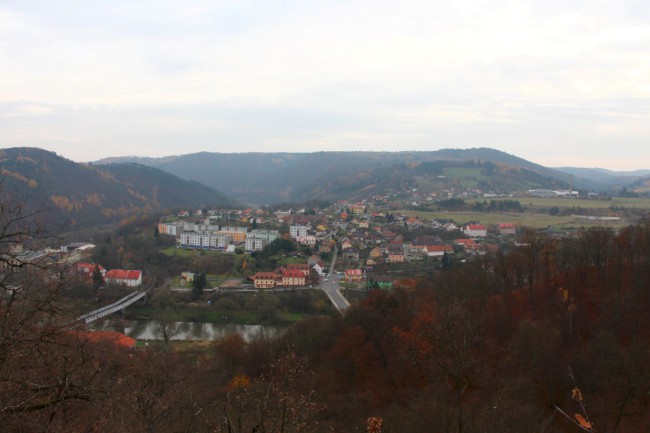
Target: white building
[[255, 244], [306, 240], [204, 240], [297, 231], [475, 230], [258, 239]]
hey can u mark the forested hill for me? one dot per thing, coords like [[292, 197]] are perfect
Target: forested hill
[[276, 177], [81, 195]]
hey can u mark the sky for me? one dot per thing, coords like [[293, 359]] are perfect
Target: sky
[[557, 82]]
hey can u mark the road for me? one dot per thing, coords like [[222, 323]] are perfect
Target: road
[[331, 287]]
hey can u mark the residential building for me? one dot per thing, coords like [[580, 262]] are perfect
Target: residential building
[[302, 267], [204, 240], [437, 250], [129, 278], [308, 240], [507, 229], [353, 275], [298, 231], [396, 254], [264, 280], [87, 269], [293, 277], [475, 230], [238, 234], [255, 244], [358, 208]]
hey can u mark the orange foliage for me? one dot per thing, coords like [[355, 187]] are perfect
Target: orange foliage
[[65, 203], [583, 422], [238, 382]]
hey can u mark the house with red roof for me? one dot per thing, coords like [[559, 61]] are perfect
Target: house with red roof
[[437, 250], [87, 269], [264, 280], [293, 277], [302, 267], [353, 275], [507, 229], [468, 244], [413, 223], [122, 277], [475, 230]]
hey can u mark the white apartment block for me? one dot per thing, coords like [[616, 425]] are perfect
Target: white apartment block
[[298, 231], [255, 244], [232, 229], [204, 240], [258, 239], [171, 229], [269, 235]]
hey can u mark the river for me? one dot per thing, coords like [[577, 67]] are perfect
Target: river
[[150, 330]]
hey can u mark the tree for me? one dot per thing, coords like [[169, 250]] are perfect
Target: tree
[[45, 367], [444, 337], [97, 278], [198, 284], [168, 328]]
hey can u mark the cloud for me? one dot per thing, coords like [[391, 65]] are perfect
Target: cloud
[[165, 77]]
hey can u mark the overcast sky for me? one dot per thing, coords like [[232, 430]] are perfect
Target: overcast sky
[[557, 82]]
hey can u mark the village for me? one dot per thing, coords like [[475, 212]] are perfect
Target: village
[[374, 246]]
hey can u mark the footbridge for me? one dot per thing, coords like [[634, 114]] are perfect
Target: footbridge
[[129, 299]]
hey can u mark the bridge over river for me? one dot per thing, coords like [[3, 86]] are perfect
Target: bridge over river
[[129, 299]]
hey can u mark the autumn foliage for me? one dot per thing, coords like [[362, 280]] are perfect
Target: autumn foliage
[[506, 343]]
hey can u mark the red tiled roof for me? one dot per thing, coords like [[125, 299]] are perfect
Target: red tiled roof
[[120, 274], [432, 248], [293, 273], [353, 272], [88, 267], [263, 275], [476, 227]]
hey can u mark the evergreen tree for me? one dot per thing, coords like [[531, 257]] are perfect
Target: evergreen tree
[[97, 277], [198, 284]]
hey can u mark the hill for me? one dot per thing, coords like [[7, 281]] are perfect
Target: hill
[[608, 180], [276, 177], [81, 195]]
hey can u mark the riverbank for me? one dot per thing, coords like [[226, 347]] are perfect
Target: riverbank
[[269, 309]]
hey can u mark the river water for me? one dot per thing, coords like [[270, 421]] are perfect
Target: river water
[[150, 330]]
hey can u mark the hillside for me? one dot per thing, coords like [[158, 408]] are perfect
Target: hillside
[[607, 180], [81, 195], [276, 177]]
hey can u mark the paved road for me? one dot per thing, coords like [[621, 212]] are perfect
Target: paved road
[[332, 289]]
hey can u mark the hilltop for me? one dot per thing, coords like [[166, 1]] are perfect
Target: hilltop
[[276, 177], [80, 195]]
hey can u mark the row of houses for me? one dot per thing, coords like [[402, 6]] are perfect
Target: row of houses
[[290, 275]]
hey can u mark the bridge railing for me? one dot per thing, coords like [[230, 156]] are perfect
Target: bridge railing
[[114, 307]]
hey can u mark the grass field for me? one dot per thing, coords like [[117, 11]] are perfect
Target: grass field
[[523, 219], [641, 203], [181, 252]]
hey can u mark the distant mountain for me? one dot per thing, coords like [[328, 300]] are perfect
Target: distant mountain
[[608, 180], [261, 178], [81, 195]]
